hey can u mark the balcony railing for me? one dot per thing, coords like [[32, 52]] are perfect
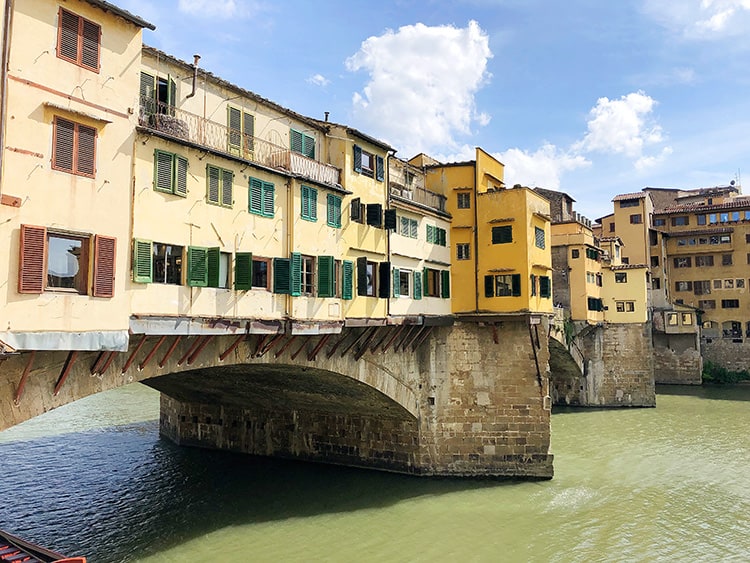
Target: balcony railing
[[201, 131], [419, 195]]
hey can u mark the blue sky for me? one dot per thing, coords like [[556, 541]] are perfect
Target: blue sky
[[590, 97]]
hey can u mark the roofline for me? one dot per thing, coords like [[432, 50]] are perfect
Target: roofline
[[124, 14]]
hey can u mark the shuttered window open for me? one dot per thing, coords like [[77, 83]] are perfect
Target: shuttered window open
[[545, 286], [445, 284], [295, 274], [170, 173], [326, 276], [197, 275], [333, 211], [73, 147], [219, 186], [32, 268], [281, 275], [142, 261], [261, 198], [104, 266], [384, 280], [243, 270], [78, 40], [309, 199], [417, 284], [347, 279], [301, 143]]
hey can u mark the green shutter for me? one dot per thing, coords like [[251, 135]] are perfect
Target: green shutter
[[425, 282], [142, 261], [197, 266], [181, 167], [362, 276], [295, 271], [163, 170], [295, 141], [313, 204], [213, 259], [379, 169], [309, 146], [234, 127], [212, 180], [445, 284], [430, 237], [148, 94], [227, 177], [248, 131], [333, 211], [489, 286], [544, 286], [357, 159], [255, 195], [243, 270], [267, 209], [516, 285], [281, 275], [417, 284], [347, 278], [396, 282], [326, 276], [172, 99]]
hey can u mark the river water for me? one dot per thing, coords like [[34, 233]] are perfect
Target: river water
[[664, 484]]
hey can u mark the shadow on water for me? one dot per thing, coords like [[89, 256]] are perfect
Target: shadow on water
[[119, 493], [738, 392]]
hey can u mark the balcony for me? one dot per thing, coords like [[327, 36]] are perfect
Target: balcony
[[198, 130], [419, 195]]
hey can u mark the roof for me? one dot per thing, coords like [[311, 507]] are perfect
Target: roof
[[693, 207], [552, 193], [636, 195], [628, 267], [124, 14], [709, 231], [242, 91], [610, 239]]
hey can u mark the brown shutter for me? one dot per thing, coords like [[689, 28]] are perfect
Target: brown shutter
[[104, 266], [67, 40], [62, 144], [32, 267], [90, 45], [86, 164]]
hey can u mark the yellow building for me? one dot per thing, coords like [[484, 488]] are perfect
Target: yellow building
[[500, 238], [68, 128], [419, 245]]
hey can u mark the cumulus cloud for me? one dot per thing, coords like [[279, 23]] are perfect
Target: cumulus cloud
[[422, 83], [621, 126], [701, 19], [223, 9], [318, 80], [543, 167]]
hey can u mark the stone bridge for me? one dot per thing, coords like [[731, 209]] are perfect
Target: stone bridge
[[468, 398]]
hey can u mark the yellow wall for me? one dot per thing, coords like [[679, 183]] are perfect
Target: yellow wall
[[40, 87], [633, 236], [634, 290]]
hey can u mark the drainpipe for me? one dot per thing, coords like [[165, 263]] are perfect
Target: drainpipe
[[476, 241], [387, 180], [7, 30], [196, 58], [289, 236]]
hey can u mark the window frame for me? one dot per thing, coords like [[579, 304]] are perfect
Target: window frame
[[265, 194], [224, 187], [463, 200], [502, 234], [178, 167], [308, 203], [74, 145], [81, 46], [333, 210]]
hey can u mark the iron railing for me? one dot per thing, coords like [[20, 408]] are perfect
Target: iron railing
[[419, 195], [190, 127]]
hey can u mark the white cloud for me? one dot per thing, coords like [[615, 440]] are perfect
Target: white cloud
[[318, 80], [646, 162], [621, 126], [701, 19], [544, 167], [422, 83], [222, 9]]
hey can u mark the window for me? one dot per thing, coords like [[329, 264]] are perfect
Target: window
[[368, 164], [301, 143], [78, 40], [713, 218], [73, 147], [463, 201], [240, 132], [717, 284], [431, 285], [599, 280], [54, 261], [401, 282], [621, 277], [532, 285], [219, 188], [157, 262], [333, 211], [729, 284], [683, 286], [575, 253], [704, 261], [366, 277], [545, 287], [680, 221], [594, 304], [730, 303], [436, 235], [260, 277], [502, 285], [625, 306], [463, 251], [656, 283], [687, 319], [659, 222], [702, 287], [309, 197], [374, 215], [357, 211], [726, 259], [207, 267], [170, 174], [408, 227], [630, 203], [655, 261], [672, 319], [636, 219], [592, 254], [707, 304], [539, 237], [683, 262], [611, 227], [307, 270], [261, 196], [502, 235], [701, 219], [625, 260], [653, 237], [739, 283]]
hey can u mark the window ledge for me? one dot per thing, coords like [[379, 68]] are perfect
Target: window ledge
[[80, 113]]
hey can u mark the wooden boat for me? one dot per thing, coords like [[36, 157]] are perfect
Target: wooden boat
[[16, 550]]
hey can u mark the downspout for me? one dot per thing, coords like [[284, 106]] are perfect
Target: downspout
[[476, 241], [196, 58], [289, 239], [7, 30], [387, 180]]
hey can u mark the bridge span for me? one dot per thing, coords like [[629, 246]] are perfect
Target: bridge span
[[465, 398]]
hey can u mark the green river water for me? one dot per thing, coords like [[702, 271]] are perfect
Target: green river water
[[664, 484]]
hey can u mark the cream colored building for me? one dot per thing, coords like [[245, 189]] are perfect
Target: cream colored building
[[68, 129]]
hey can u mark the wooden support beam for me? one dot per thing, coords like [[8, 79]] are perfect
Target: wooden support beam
[[170, 350], [386, 332], [335, 347], [356, 341], [107, 363], [421, 338], [24, 377], [151, 354], [402, 343], [285, 346], [72, 355], [199, 349], [232, 348], [410, 336], [261, 341], [131, 358], [304, 343], [193, 346], [494, 333], [365, 344], [393, 337], [312, 355], [268, 347], [98, 362]]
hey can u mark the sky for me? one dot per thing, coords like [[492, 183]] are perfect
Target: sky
[[594, 98]]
